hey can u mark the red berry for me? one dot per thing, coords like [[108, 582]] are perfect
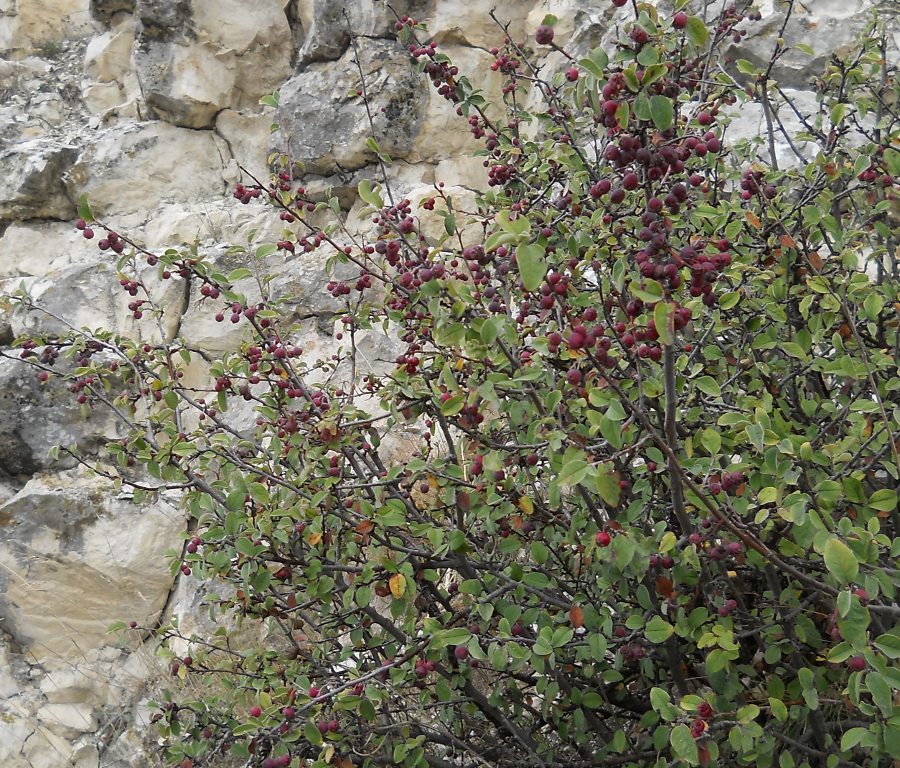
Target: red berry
[[571, 74], [544, 34], [680, 20], [603, 539], [255, 711], [856, 664]]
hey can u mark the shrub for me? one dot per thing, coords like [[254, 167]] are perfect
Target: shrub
[[649, 512]]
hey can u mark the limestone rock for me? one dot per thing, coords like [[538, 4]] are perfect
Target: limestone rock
[[108, 56], [111, 82], [323, 32], [33, 248], [33, 188], [444, 134], [323, 124], [197, 57], [36, 416], [104, 9], [137, 166], [76, 557], [30, 25], [470, 24], [246, 134], [67, 720], [826, 26]]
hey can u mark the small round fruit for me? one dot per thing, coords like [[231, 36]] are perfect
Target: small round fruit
[[680, 20], [543, 35], [856, 664], [571, 74], [603, 539]]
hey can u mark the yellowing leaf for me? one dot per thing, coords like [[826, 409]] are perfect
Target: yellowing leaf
[[397, 584], [526, 505]]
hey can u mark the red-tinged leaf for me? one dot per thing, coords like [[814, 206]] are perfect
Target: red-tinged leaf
[[815, 261], [576, 616], [703, 754], [664, 587], [365, 527]]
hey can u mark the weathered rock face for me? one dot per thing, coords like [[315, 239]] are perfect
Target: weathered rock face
[[35, 190], [187, 54], [322, 121], [151, 108]]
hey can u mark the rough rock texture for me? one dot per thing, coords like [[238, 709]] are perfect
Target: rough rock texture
[[322, 121], [151, 108], [35, 190]]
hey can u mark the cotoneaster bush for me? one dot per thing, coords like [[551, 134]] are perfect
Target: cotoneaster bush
[[649, 516]]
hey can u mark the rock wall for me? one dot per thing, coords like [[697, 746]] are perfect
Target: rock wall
[[151, 108]]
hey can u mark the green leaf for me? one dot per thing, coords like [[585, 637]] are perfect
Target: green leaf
[[573, 472], [649, 291], [589, 65], [84, 209], [853, 737], [779, 710], [539, 553], [881, 693], [745, 67], [369, 195], [756, 434], [454, 636], [661, 111], [708, 385], [532, 265], [889, 645], [697, 32], [623, 114], [662, 314], [270, 99], [592, 700], [658, 630], [608, 485], [518, 226], [311, 733], [453, 405], [840, 560], [651, 75], [490, 329], [600, 57], [683, 744], [711, 440], [884, 500], [748, 713], [648, 55]]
